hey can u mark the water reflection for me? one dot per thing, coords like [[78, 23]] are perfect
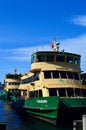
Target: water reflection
[[14, 121], [33, 124]]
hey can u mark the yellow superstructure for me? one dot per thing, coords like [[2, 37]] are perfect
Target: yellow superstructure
[[53, 73], [11, 82]]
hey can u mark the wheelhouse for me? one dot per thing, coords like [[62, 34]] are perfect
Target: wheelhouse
[[55, 57]]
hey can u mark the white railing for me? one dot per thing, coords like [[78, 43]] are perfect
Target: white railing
[[80, 124]]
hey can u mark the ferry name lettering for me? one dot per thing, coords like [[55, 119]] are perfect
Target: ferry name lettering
[[41, 101]]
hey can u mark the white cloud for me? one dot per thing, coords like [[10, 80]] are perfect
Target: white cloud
[[79, 20], [76, 45], [21, 54], [73, 45]]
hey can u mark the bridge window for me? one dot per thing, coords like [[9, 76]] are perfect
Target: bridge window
[[76, 60], [50, 58], [32, 59], [40, 58], [60, 58], [69, 59]]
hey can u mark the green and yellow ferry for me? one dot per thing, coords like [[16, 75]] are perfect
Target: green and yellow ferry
[[11, 84], [53, 89]]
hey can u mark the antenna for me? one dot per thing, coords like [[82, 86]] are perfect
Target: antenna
[[15, 71], [56, 44]]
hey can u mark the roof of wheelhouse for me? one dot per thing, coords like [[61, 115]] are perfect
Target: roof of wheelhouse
[[54, 52]]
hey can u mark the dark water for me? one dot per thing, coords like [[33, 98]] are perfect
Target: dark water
[[14, 121]]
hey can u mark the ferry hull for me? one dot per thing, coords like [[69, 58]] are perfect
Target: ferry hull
[[71, 109], [44, 108], [56, 110]]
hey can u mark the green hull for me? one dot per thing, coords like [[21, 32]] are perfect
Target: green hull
[[71, 109], [45, 108], [56, 109], [8, 95], [4, 95]]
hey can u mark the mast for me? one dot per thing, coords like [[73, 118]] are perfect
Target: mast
[[56, 45]]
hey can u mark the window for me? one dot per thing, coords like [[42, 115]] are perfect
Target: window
[[50, 58], [77, 92], [63, 74], [52, 92], [70, 75], [36, 93], [40, 58], [70, 92], [76, 76], [31, 94], [36, 76], [84, 92], [62, 92], [47, 74], [24, 81], [32, 59], [15, 83], [76, 60], [31, 79], [40, 93], [69, 59], [55, 74], [60, 58], [12, 83]]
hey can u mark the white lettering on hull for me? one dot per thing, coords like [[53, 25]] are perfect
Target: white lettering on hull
[[41, 101]]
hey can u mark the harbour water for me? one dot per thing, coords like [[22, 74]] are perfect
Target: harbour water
[[14, 121]]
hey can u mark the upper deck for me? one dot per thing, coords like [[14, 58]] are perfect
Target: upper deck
[[46, 60], [12, 81]]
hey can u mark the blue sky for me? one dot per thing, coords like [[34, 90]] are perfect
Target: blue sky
[[30, 25]]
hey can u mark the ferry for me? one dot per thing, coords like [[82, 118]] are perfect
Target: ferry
[[53, 89], [11, 84]]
